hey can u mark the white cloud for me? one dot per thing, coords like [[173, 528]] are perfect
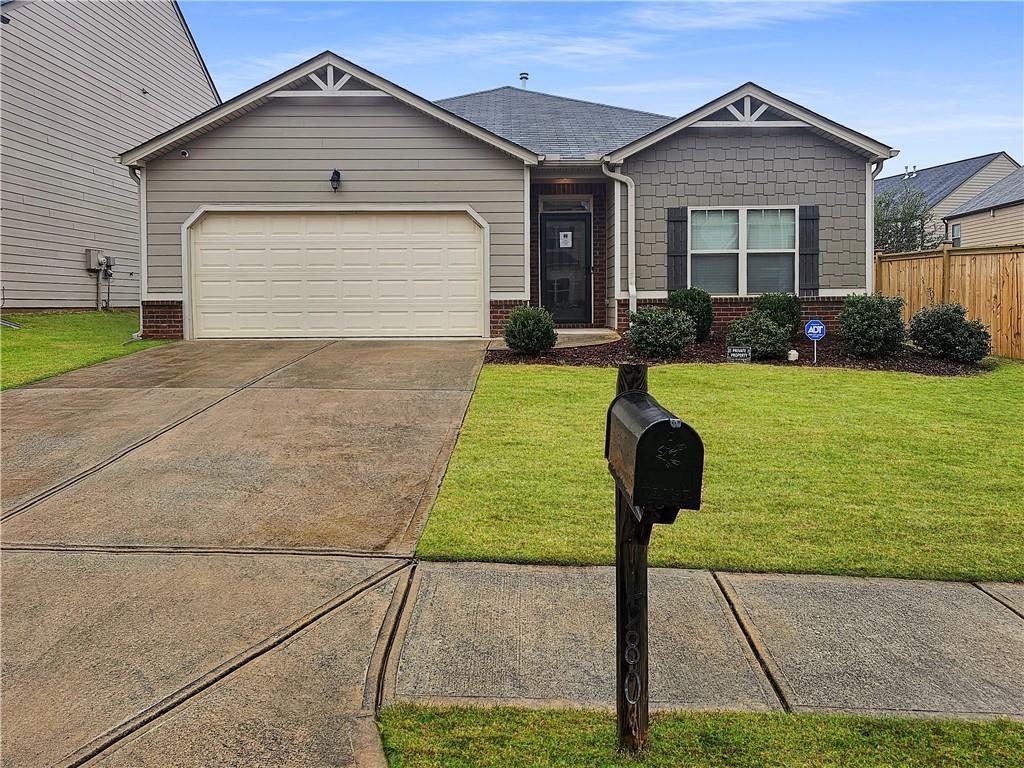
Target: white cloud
[[240, 74], [731, 14]]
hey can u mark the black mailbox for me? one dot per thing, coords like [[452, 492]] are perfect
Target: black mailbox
[[657, 460]]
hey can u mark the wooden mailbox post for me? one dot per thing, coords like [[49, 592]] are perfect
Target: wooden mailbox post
[[658, 462]]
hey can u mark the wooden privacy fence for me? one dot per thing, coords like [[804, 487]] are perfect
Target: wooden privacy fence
[[987, 280]]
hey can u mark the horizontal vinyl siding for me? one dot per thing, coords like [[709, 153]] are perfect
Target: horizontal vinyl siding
[[72, 100], [1002, 226], [716, 167], [284, 152], [998, 169]]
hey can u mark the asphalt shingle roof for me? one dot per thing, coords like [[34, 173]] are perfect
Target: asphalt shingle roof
[[939, 181], [1006, 191], [554, 125]]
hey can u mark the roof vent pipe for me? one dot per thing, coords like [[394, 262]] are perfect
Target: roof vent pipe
[[523, 77]]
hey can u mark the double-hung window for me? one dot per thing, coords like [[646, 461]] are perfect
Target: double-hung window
[[742, 251]]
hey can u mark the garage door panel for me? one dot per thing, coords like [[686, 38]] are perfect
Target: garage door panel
[[337, 274]]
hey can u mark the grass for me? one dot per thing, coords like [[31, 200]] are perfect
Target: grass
[[420, 737], [49, 343], [807, 470]]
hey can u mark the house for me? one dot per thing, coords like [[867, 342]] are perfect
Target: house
[[994, 217], [80, 82], [329, 201], [947, 186]]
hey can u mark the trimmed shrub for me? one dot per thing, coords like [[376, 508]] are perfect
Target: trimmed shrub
[[660, 333], [695, 302], [782, 308], [530, 330], [944, 331], [872, 325], [767, 339]]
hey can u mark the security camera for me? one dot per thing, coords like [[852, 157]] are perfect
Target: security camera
[[184, 153]]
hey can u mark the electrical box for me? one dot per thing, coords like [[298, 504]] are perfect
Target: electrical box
[[94, 259]]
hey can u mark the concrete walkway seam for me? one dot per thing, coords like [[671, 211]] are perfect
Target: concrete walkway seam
[[373, 696], [388, 687], [1000, 599], [149, 438], [187, 692], [157, 549], [771, 670]]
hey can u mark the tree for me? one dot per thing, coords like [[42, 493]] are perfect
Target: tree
[[904, 222]]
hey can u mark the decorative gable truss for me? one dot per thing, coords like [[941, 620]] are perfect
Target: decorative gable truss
[[328, 82], [748, 112]]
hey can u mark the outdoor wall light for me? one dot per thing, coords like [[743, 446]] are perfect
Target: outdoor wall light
[[335, 179]]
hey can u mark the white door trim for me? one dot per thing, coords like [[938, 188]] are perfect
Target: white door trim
[[186, 241]]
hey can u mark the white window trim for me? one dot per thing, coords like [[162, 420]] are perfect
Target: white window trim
[[742, 253]]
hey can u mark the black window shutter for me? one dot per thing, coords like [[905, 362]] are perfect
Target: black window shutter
[[809, 250], [676, 220]]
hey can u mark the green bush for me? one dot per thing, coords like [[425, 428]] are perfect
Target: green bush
[[660, 333], [944, 331], [530, 330], [871, 325], [782, 308], [767, 339], [696, 303]]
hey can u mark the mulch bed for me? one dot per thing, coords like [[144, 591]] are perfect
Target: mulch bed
[[830, 355]]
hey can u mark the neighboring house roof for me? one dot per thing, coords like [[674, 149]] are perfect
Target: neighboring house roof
[[793, 113], [289, 80], [939, 181], [1007, 191], [554, 125]]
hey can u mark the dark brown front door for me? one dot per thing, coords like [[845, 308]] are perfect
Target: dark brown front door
[[565, 266]]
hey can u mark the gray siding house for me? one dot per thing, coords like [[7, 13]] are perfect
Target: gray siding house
[[80, 82], [331, 202]]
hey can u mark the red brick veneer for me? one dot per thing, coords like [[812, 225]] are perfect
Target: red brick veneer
[[499, 314], [162, 320], [730, 308]]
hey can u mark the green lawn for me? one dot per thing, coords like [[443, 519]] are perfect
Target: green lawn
[[54, 342], [807, 470], [417, 737]]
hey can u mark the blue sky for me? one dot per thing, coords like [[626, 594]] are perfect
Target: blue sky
[[939, 80]]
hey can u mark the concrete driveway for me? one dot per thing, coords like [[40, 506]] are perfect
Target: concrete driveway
[[203, 544]]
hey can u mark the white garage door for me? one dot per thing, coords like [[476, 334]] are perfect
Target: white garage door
[[337, 274]]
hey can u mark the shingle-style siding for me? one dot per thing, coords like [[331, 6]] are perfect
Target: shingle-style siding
[[284, 152], [72, 99], [712, 167], [998, 169], [1002, 226]]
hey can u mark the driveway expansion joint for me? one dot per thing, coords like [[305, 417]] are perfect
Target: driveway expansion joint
[[1001, 600], [67, 483], [184, 694]]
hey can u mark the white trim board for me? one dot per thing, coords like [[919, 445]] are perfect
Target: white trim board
[[186, 242], [233, 108], [874, 148]]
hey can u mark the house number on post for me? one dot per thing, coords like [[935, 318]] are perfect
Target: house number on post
[[657, 461]]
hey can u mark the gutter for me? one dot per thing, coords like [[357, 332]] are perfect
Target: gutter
[[631, 229]]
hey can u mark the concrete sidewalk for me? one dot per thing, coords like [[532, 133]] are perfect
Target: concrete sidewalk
[[545, 637]]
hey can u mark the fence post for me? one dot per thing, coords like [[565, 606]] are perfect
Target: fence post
[[946, 245], [876, 273]]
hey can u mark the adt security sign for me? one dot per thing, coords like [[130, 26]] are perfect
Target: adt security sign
[[815, 331]]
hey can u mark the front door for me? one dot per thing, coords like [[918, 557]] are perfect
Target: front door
[[565, 266]]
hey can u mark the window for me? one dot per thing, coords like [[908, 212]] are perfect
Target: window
[[955, 235], [739, 251]]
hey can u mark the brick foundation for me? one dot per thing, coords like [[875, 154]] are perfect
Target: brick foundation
[[499, 314], [727, 309], [162, 320]]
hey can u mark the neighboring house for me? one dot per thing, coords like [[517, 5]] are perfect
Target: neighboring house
[[82, 80], [995, 217], [950, 185], [329, 201]]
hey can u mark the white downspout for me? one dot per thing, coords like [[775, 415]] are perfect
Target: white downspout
[[874, 168], [631, 233], [137, 177]]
